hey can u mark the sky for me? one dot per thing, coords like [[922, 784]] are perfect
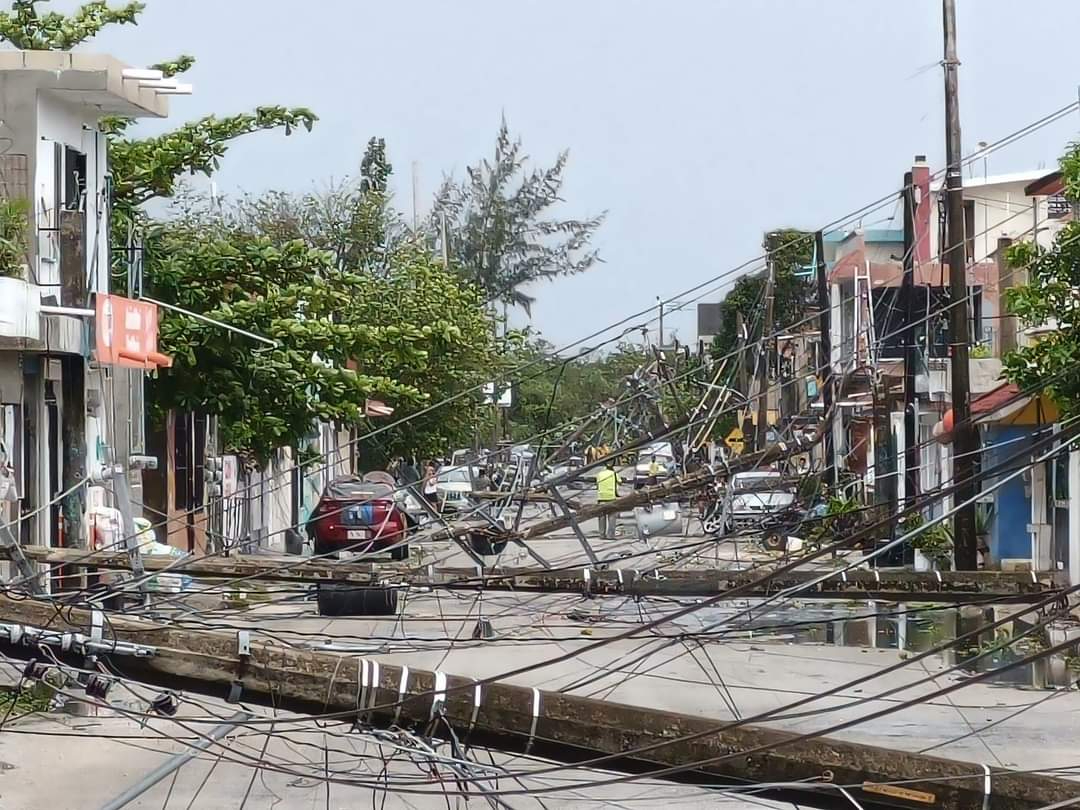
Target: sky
[[696, 124]]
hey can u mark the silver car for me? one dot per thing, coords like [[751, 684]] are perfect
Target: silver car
[[756, 500]]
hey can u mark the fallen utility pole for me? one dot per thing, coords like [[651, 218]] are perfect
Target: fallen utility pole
[[966, 437], [886, 585], [551, 725]]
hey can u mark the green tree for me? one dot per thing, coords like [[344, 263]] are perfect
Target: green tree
[[352, 219], [792, 250], [1050, 297], [408, 337], [500, 234]]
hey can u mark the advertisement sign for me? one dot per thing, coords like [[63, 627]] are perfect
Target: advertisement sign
[[126, 333]]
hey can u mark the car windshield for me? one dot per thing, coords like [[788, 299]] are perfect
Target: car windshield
[[757, 483], [454, 475]]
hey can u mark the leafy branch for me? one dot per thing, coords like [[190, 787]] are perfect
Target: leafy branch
[[28, 30], [149, 168]]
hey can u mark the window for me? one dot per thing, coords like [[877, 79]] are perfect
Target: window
[[74, 179]]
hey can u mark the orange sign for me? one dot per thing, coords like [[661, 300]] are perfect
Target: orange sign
[[126, 333]]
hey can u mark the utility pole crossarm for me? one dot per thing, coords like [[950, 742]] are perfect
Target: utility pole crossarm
[[552, 725]]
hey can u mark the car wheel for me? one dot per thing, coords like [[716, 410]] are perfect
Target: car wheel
[[774, 541], [400, 552]]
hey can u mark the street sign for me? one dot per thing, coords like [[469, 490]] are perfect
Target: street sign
[[734, 440]]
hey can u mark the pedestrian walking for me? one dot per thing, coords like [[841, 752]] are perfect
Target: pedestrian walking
[[607, 490], [430, 485]]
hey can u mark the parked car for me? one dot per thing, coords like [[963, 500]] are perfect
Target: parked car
[[405, 497], [453, 488], [665, 458], [571, 465], [757, 500], [358, 516]]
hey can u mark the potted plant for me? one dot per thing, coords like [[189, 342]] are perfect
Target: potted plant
[[14, 228], [933, 544]]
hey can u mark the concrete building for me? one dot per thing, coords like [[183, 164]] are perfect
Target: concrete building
[[65, 407], [1028, 522]]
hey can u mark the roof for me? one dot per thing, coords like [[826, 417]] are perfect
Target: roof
[[1045, 186], [999, 397], [870, 235], [93, 80], [994, 179]]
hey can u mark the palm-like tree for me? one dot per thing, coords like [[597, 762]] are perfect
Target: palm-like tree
[[497, 230]]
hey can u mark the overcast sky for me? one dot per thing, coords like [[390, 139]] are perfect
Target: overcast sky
[[697, 124]]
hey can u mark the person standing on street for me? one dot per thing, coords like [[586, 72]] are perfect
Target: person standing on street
[[607, 489]]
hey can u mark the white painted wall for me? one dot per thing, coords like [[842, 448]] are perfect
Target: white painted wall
[[1001, 209], [64, 122]]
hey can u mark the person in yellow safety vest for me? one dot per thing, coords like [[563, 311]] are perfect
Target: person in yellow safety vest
[[607, 489], [654, 470]]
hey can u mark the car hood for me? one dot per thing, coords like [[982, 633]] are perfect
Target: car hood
[[454, 486], [766, 501]]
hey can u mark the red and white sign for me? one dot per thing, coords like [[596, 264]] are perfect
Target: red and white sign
[[373, 407], [126, 333]]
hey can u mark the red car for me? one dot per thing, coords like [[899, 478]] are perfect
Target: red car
[[358, 516]]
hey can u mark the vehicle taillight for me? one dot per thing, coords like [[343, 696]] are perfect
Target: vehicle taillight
[[386, 520]]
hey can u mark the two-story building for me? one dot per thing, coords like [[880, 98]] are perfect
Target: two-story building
[[70, 382]]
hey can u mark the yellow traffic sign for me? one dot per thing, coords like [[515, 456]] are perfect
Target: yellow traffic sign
[[734, 440]]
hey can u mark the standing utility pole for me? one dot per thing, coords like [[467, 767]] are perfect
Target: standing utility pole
[[660, 325], [907, 295], [763, 351], [965, 439], [825, 342]]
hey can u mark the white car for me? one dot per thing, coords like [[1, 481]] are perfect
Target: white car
[[756, 500], [665, 458], [453, 486]]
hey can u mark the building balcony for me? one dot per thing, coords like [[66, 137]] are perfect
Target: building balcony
[[27, 325]]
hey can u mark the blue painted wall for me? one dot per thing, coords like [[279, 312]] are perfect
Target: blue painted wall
[[1009, 538]]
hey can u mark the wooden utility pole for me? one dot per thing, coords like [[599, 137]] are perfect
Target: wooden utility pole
[[825, 342], [907, 296], [965, 437], [550, 725], [760, 438]]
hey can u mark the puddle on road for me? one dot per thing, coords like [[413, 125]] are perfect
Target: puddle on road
[[911, 627]]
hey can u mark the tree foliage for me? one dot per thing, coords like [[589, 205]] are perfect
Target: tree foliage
[[1051, 296], [353, 219], [501, 234], [791, 250], [28, 29], [145, 168], [408, 337]]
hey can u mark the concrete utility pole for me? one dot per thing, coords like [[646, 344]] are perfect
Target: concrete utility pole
[[760, 438], [825, 343], [551, 725], [886, 584], [907, 296], [965, 437], [660, 323]]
